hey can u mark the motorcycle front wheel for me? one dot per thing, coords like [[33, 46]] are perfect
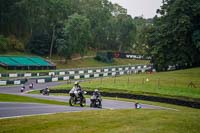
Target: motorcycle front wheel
[[71, 101]]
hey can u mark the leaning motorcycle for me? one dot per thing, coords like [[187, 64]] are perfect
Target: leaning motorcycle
[[31, 86], [45, 92], [22, 89], [77, 98], [95, 101]]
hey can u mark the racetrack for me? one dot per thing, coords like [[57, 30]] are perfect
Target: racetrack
[[13, 109]]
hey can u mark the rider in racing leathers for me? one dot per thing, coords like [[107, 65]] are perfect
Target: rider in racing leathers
[[97, 93], [76, 90]]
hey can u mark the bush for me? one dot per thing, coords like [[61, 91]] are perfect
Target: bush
[[3, 44], [104, 57], [39, 43], [15, 44]]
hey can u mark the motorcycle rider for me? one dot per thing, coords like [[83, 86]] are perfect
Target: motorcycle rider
[[76, 90], [46, 91], [97, 93], [31, 85], [22, 88], [97, 97], [138, 105]]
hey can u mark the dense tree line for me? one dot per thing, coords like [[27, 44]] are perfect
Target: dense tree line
[[174, 39], [65, 27], [140, 45]]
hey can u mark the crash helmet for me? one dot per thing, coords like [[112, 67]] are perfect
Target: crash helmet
[[96, 90], [76, 83], [23, 86]]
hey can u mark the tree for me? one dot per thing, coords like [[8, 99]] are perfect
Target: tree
[[74, 36], [63, 49], [173, 39], [117, 10], [98, 13], [12, 18], [3, 44], [39, 43], [105, 26], [121, 32], [142, 26], [58, 12]]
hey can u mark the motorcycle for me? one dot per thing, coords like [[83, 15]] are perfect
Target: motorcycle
[[138, 106], [45, 92], [22, 89], [31, 86], [77, 98], [95, 101]]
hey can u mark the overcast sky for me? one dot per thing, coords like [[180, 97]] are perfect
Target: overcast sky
[[147, 8]]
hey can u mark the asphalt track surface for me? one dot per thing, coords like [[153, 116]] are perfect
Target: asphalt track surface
[[16, 109]]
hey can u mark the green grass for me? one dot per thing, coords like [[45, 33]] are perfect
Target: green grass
[[91, 62], [168, 84], [186, 120], [2, 70], [34, 92], [17, 98]]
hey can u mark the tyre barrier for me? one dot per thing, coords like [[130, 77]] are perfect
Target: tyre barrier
[[175, 101]]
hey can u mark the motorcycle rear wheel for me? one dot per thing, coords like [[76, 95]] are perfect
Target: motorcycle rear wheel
[[83, 102], [99, 105], [92, 104]]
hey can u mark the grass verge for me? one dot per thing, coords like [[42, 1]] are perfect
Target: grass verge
[[17, 98], [107, 121], [174, 84], [91, 62]]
